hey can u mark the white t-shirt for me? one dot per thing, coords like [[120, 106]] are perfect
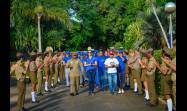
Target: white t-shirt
[[110, 62]]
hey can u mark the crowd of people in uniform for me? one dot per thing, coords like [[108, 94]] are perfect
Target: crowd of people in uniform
[[103, 70]]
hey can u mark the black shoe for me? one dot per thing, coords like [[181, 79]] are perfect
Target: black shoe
[[135, 92], [48, 91], [39, 94], [150, 104], [77, 93], [146, 99], [34, 101], [112, 93], [72, 94], [24, 109], [174, 109]]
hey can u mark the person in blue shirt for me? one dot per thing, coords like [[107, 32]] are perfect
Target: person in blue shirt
[[85, 56], [121, 71], [106, 55], [90, 64], [67, 70], [95, 52], [78, 54], [102, 71]]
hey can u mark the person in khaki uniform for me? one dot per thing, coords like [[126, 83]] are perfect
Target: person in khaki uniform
[[134, 64], [61, 68], [74, 64], [144, 78], [150, 75], [56, 65], [33, 75], [39, 64], [166, 78], [51, 70], [46, 69], [172, 65], [20, 73]]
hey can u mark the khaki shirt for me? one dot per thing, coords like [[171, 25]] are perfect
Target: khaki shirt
[[145, 60], [39, 63], [55, 60], [151, 66], [134, 62], [60, 59], [19, 70], [26, 64], [32, 66], [164, 67], [46, 61], [75, 64]]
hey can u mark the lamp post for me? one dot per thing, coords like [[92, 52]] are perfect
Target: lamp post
[[39, 31], [170, 7], [164, 33]]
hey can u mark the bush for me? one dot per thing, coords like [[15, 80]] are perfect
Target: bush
[[157, 55]]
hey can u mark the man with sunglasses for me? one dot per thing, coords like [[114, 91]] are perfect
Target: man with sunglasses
[[74, 64], [90, 64]]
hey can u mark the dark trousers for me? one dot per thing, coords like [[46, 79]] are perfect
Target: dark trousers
[[121, 79], [102, 79], [91, 80]]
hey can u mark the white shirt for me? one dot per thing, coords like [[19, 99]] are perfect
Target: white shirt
[[110, 62]]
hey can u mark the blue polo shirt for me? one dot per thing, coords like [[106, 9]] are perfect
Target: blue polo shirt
[[66, 59], [88, 61], [101, 60], [121, 63]]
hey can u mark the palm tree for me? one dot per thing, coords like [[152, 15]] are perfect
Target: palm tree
[[23, 14]]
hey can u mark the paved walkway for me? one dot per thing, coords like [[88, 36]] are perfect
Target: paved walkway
[[60, 100]]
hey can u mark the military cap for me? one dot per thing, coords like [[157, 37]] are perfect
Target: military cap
[[166, 51], [149, 50], [126, 51], [49, 49], [33, 53], [46, 52], [142, 51], [74, 53], [131, 51], [89, 48]]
